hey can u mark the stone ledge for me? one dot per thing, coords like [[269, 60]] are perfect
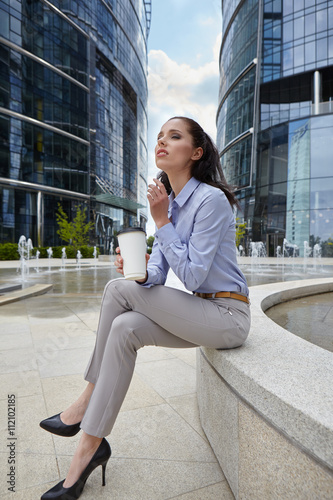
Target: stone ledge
[[283, 379], [25, 293], [106, 258], [9, 288]]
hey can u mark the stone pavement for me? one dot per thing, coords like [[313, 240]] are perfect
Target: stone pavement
[[159, 450]]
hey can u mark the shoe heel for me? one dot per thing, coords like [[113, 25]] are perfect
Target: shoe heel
[[103, 473]]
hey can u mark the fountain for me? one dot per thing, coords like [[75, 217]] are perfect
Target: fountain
[[63, 258], [284, 248], [22, 250], [317, 250], [29, 252], [78, 257], [95, 256], [37, 261], [49, 254], [290, 250], [280, 257], [307, 249], [307, 253], [257, 251], [317, 258], [257, 268]]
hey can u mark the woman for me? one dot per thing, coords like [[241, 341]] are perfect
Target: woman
[[195, 237]]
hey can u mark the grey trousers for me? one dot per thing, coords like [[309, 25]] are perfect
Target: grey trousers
[[133, 316]]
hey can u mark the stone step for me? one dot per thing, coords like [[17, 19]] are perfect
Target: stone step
[[25, 293], [5, 288]]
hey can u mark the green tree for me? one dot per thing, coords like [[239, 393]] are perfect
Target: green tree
[[76, 232], [314, 240], [328, 248], [240, 231], [150, 242]]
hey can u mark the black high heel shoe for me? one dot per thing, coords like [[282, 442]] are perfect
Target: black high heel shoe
[[56, 426], [101, 457]]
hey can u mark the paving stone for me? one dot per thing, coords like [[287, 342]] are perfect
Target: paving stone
[[168, 377]]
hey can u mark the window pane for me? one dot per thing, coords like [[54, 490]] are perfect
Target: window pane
[[299, 55], [322, 49], [310, 24], [4, 24], [321, 18], [299, 27], [288, 59], [310, 52], [321, 147], [298, 5], [287, 7], [288, 32]]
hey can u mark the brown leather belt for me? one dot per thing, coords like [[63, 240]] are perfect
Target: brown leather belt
[[216, 295]]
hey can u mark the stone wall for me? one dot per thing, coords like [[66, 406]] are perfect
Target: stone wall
[[267, 407]]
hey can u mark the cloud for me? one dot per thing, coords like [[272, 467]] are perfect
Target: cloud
[[180, 89], [217, 47], [208, 21]]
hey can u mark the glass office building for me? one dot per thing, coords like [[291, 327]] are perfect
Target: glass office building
[[275, 119], [73, 115]]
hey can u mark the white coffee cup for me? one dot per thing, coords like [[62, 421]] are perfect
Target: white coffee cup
[[133, 249]]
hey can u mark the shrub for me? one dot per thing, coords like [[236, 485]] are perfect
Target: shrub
[[70, 252], [8, 251], [42, 250]]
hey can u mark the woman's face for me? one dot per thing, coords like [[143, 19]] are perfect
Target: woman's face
[[174, 151]]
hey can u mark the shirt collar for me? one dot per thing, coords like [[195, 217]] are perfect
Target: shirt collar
[[186, 192]]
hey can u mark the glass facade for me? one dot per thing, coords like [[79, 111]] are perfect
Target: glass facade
[[276, 134], [73, 115], [237, 85]]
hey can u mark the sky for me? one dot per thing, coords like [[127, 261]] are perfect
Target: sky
[[183, 71]]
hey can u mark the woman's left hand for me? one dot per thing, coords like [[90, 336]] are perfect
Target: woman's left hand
[[119, 262], [159, 203]]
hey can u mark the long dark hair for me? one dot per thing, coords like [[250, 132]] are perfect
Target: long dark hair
[[208, 168]]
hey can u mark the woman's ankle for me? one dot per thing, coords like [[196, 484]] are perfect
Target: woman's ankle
[[74, 413], [86, 449]]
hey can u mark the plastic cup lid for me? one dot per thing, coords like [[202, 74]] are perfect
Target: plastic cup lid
[[131, 230]]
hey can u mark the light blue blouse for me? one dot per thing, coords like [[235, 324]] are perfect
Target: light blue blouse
[[199, 243]]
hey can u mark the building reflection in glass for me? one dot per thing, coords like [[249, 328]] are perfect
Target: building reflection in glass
[[276, 138], [73, 115]]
